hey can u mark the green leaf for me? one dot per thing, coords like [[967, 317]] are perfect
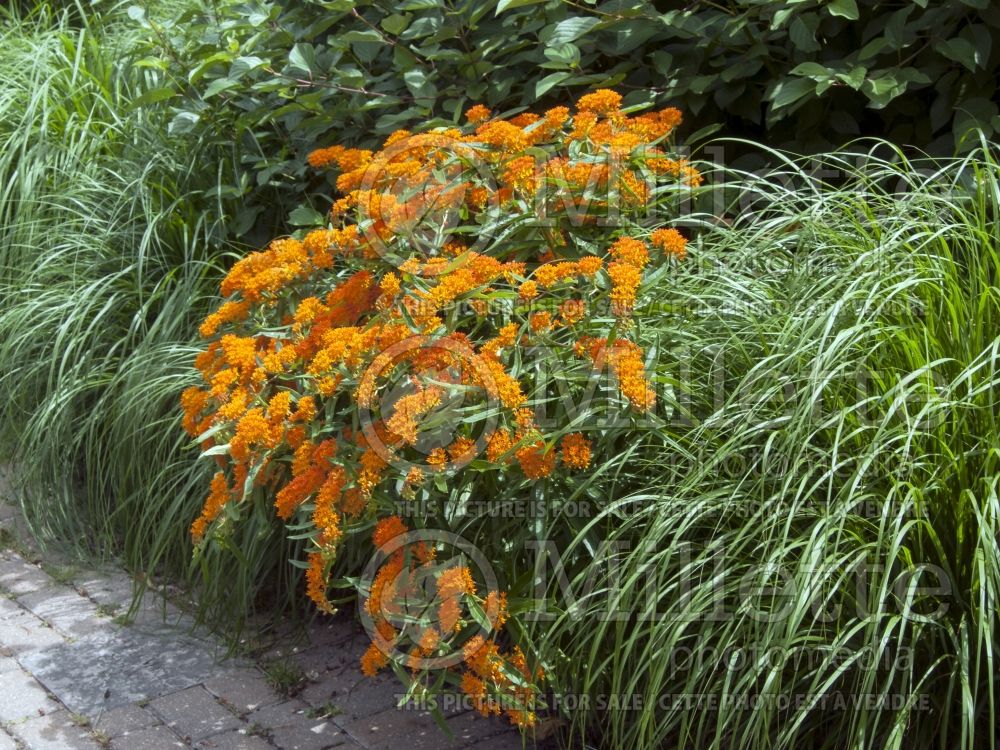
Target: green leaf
[[781, 16], [790, 90], [811, 70], [218, 85], [152, 62], [207, 64], [663, 62], [183, 122], [554, 79], [979, 36], [479, 615], [701, 84], [874, 47], [216, 450], [895, 29], [913, 75], [978, 109], [571, 29], [882, 90], [508, 4], [243, 65], [959, 50], [396, 23], [803, 35], [303, 57], [305, 216], [361, 35], [566, 54], [726, 95], [855, 77], [743, 68], [154, 95], [844, 9], [420, 84]]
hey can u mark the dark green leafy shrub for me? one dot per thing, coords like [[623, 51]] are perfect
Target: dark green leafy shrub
[[283, 78]]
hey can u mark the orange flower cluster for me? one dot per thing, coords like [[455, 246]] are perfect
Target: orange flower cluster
[[396, 593], [358, 363], [488, 681], [625, 360], [218, 496], [576, 451], [670, 241]]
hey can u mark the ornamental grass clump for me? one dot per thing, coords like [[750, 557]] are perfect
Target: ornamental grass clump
[[370, 362]]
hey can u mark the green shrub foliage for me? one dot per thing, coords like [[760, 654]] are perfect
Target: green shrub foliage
[[283, 78]]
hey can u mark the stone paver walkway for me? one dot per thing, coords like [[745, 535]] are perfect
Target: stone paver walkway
[[74, 674]]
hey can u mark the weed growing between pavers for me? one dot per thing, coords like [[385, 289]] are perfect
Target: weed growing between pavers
[[285, 676]]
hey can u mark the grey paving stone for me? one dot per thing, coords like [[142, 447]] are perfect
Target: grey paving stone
[[9, 607], [337, 679], [65, 609], [55, 731], [18, 576], [353, 694], [324, 662], [21, 697], [114, 668], [312, 645], [157, 738], [331, 631], [417, 730], [244, 689], [473, 730], [345, 652], [111, 588], [507, 741], [23, 632], [234, 741], [7, 664], [194, 713], [125, 719], [6, 741], [156, 615], [290, 727]]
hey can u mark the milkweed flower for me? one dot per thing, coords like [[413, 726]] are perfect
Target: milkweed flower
[[670, 241], [575, 450], [332, 362], [477, 113], [601, 102], [388, 529]]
